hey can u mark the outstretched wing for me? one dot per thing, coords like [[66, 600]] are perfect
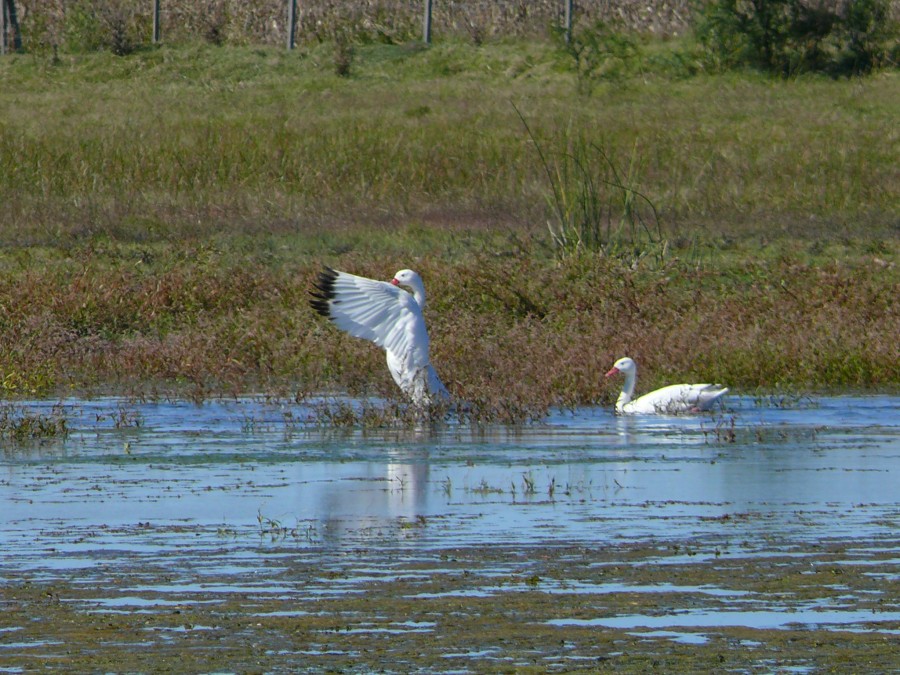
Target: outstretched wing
[[374, 310]]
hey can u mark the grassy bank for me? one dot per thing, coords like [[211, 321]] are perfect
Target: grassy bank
[[164, 214]]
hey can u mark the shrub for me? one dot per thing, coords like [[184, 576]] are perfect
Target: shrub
[[788, 37], [866, 31], [600, 52], [110, 24], [83, 29], [344, 51]]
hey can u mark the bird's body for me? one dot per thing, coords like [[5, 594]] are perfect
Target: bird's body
[[391, 318], [671, 400]]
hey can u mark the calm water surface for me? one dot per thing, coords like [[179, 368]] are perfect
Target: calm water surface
[[201, 489]]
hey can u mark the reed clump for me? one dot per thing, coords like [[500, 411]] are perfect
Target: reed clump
[[19, 425]]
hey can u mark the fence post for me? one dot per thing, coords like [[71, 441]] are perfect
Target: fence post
[[568, 21], [156, 27], [9, 22], [291, 22], [426, 30], [3, 26]]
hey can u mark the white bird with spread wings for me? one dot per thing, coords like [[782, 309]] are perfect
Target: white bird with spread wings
[[388, 316]]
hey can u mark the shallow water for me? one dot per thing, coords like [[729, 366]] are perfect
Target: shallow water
[[160, 505]]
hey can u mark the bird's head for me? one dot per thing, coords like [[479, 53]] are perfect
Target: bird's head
[[623, 365], [405, 278]]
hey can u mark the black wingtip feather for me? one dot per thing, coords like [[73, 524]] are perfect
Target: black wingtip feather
[[321, 300]]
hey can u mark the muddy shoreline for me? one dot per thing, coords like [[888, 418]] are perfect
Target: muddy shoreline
[[661, 605]]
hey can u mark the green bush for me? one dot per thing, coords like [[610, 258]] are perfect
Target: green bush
[[600, 52], [867, 33], [788, 37], [83, 28], [109, 24]]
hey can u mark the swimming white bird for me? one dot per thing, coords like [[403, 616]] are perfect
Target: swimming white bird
[[671, 400], [391, 318]]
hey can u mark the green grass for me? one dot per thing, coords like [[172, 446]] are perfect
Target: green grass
[[162, 217], [189, 133]]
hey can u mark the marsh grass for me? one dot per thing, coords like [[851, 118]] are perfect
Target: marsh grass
[[511, 335], [193, 141], [722, 431], [391, 413], [276, 530], [779, 398], [164, 217], [368, 414], [595, 205]]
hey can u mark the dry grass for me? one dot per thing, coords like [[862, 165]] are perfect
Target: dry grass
[[47, 23]]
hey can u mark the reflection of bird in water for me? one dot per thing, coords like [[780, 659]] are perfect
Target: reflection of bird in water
[[674, 399], [391, 318], [408, 483], [376, 505]]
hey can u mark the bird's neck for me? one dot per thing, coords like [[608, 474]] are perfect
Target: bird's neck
[[418, 291], [627, 391]]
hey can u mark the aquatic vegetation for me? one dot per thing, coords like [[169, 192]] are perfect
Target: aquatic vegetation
[[275, 530], [233, 551], [447, 487], [18, 383], [123, 417], [484, 488], [723, 431], [513, 336], [380, 414], [528, 484], [784, 399], [20, 425]]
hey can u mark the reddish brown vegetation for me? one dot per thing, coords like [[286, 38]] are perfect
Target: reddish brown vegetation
[[509, 332]]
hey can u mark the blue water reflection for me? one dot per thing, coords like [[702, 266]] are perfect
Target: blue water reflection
[[815, 470]]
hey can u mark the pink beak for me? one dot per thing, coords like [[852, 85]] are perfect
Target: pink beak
[[395, 282], [612, 372]]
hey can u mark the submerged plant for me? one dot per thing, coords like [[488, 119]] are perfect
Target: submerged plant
[[723, 431], [367, 414], [784, 399], [20, 425], [484, 488], [278, 531], [123, 418], [394, 414]]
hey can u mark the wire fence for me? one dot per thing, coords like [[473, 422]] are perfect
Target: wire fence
[[35, 25]]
